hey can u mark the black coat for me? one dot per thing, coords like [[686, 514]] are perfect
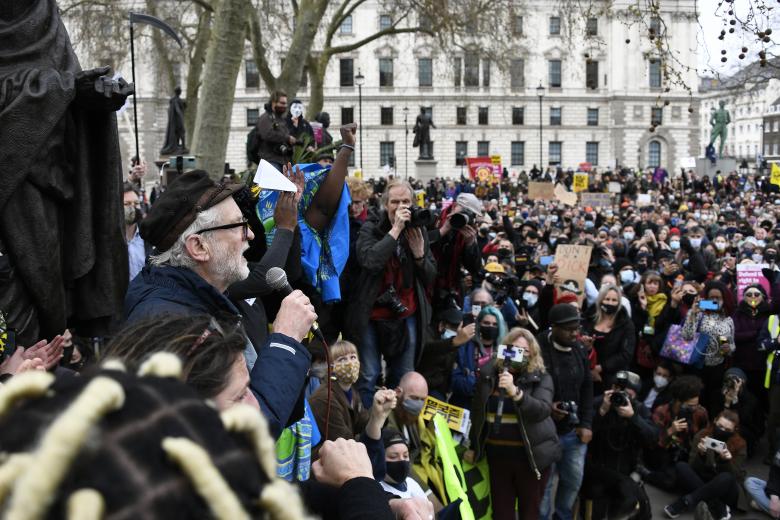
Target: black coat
[[533, 412], [616, 349]]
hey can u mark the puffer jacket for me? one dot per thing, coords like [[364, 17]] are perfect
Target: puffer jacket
[[533, 413]]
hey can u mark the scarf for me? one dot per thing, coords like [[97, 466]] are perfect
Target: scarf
[[655, 304]]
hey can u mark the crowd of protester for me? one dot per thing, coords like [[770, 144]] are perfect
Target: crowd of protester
[[450, 290]]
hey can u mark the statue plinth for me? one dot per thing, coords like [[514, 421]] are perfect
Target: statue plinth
[[425, 169], [726, 165]]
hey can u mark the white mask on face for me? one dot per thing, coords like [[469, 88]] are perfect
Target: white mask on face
[[674, 245], [696, 243], [530, 299], [296, 110], [720, 246], [629, 235], [660, 381], [627, 276]]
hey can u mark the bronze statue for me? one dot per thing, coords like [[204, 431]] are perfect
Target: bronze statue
[[175, 143], [719, 120], [422, 134], [64, 258]]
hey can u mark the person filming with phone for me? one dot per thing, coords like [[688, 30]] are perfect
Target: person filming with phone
[[711, 315], [711, 477]]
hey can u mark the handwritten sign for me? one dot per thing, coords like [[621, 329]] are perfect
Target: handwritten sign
[[644, 199], [615, 187], [580, 182], [749, 274], [596, 200], [573, 262], [541, 191], [567, 197], [458, 419]]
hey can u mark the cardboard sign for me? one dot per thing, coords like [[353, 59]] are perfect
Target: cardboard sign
[[573, 262], [580, 182], [541, 191], [458, 419], [596, 200], [644, 199], [749, 274], [615, 187], [567, 197]]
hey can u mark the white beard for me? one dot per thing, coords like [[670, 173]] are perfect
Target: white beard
[[228, 267]]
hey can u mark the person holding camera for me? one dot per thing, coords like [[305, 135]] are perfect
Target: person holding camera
[[737, 397], [275, 141], [475, 354], [712, 475], [519, 441], [622, 426], [389, 309], [440, 352], [572, 407]]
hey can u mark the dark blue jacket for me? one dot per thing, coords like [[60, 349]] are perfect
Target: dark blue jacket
[[279, 374], [464, 375]]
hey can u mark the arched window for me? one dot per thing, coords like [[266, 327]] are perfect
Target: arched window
[[654, 154]]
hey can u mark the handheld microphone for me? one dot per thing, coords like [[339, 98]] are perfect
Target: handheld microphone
[[276, 279], [502, 394]]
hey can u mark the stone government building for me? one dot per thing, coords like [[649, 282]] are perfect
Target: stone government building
[[595, 109]]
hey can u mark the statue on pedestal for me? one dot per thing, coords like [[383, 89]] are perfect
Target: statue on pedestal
[[719, 120], [175, 143], [422, 134]]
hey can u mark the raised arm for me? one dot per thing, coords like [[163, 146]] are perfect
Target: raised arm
[[326, 200]]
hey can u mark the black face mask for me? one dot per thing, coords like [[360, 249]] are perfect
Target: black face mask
[[721, 434], [688, 299], [398, 470], [608, 308], [487, 332]]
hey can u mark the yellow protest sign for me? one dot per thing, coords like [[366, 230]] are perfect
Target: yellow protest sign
[[775, 174], [580, 182], [358, 174], [457, 417], [420, 196]]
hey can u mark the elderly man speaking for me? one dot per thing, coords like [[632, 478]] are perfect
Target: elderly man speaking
[[200, 236]]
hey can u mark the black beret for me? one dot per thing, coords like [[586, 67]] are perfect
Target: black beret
[[179, 205], [563, 313]]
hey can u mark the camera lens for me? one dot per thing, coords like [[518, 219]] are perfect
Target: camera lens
[[458, 220]]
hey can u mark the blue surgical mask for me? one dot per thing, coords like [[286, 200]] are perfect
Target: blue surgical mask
[[447, 334], [627, 276], [589, 224], [629, 235], [674, 245], [553, 218], [530, 298], [524, 214]]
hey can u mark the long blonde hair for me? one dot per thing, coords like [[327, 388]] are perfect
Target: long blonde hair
[[606, 289], [535, 359]]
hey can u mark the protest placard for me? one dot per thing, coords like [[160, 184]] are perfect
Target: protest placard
[[615, 187], [567, 197], [749, 274], [596, 200], [458, 419], [573, 262], [541, 191], [580, 182], [644, 199]]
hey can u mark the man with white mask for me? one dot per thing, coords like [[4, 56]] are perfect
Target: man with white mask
[[298, 127]]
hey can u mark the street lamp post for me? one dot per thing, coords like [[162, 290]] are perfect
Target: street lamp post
[[359, 80], [540, 93], [406, 142]]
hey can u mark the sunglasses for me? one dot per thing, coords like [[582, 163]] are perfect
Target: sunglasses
[[752, 294], [243, 224]]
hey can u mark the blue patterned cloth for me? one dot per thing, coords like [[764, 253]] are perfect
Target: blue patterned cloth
[[323, 255], [293, 449]]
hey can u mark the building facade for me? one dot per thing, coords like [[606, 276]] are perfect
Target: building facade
[[771, 131], [604, 97]]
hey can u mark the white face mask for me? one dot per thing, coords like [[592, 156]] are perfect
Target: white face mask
[[627, 276], [696, 243], [674, 245], [296, 109], [720, 246], [530, 299], [660, 381], [447, 334], [629, 235]]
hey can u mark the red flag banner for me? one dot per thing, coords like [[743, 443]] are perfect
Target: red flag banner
[[484, 169]]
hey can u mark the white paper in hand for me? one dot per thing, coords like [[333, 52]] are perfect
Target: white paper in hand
[[269, 178]]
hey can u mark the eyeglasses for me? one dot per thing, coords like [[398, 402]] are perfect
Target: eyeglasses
[[244, 224], [752, 294]]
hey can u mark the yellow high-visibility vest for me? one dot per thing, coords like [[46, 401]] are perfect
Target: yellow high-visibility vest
[[773, 324]]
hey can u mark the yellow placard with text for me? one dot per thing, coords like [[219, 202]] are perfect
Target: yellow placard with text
[[358, 174], [580, 182], [775, 174], [457, 417]]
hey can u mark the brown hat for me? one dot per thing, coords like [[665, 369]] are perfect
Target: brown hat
[[179, 205]]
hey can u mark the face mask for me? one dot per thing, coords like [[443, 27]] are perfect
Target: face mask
[[660, 381], [589, 224], [688, 299], [685, 262], [504, 253], [487, 332], [721, 434], [758, 258], [398, 470], [413, 406], [627, 276], [553, 240], [296, 110], [609, 309], [524, 214], [530, 299], [696, 243], [447, 334], [553, 218], [347, 372], [629, 235], [755, 302], [720, 246], [129, 215], [674, 245], [770, 257]]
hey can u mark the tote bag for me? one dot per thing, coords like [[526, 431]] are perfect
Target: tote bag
[[688, 352]]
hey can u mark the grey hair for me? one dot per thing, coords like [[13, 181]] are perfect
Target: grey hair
[[177, 255]]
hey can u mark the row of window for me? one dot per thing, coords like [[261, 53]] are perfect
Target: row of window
[[517, 152], [517, 21], [386, 116], [466, 73]]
